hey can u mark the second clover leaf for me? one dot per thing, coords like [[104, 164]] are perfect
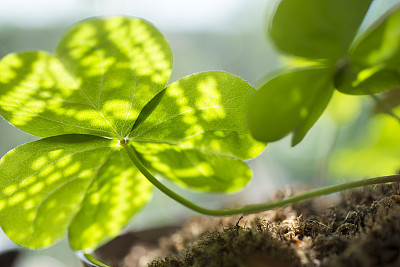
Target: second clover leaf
[[323, 32]]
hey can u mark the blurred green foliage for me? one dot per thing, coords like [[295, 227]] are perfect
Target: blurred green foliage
[[323, 32], [373, 150]]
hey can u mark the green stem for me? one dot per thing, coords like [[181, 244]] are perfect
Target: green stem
[[385, 107], [92, 259], [258, 207]]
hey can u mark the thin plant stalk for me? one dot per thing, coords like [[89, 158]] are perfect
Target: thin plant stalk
[[246, 209], [257, 207], [385, 107], [91, 259]]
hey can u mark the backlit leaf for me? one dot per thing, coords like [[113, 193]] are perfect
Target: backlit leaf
[[106, 85], [373, 66], [317, 29], [195, 169], [379, 46], [43, 183], [292, 101], [196, 128], [357, 79], [103, 73], [316, 107], [115, 195]]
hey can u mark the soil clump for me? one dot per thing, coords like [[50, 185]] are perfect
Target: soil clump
[[360, 228]]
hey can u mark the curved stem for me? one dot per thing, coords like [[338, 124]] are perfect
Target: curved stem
[[90, 258], [385, 107], [258, 207]]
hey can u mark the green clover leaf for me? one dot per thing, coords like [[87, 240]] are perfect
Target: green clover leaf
[[374, 59], [102, 74], [304, 92], [323, 33], [317, 29], [197, 131], [102, 90]]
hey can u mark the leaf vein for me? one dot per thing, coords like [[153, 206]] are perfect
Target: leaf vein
[[179, 114], [54, 162]]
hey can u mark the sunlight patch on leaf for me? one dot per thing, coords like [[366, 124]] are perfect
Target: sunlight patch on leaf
[[95, 67], [106, 83], [195, 169], [117, 193], [379, 45], [117, 109], [356, 79], [37, 206], [198, 105], [196, 129], [373, 65]]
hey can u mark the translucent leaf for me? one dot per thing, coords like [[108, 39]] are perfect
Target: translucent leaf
[[104, 72], [379, 45], [195, 169], [107, 79], [204, 110], [43, 183], [316, 107], [292, 101], [199, 121], [117, 193], [373, 66], [356, 79], [315, 28]]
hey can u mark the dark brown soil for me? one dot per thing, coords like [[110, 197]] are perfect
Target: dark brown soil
[[359, 228]]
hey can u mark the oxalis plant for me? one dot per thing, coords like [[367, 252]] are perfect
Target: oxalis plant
[[323, 36], [109, 122]]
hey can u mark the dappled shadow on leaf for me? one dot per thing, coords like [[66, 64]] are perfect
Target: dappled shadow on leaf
[[107, 79], [201, 110], [148, 109], [42, 184], [104, 74], [117, 193], [196, 130], [195, 169]]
